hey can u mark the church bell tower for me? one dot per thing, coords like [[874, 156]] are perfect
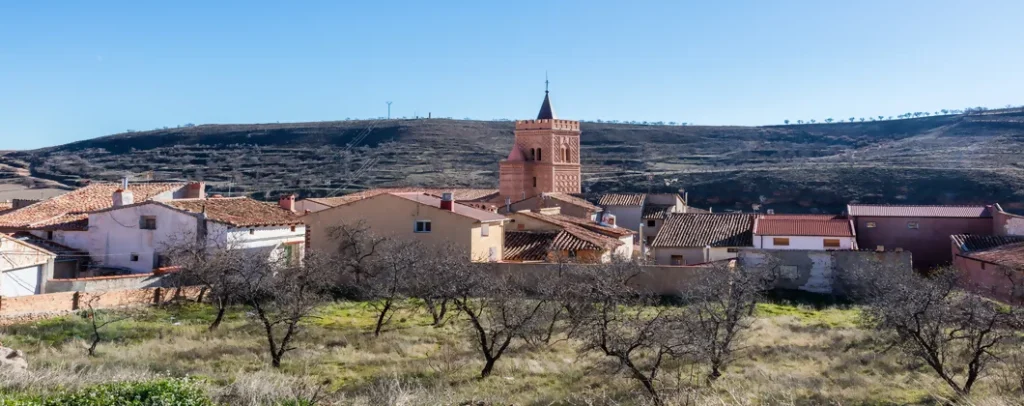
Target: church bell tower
[[545, 157]]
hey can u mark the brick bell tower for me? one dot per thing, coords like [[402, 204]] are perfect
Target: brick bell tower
[[545, 157]]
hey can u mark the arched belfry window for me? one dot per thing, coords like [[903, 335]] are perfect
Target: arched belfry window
[[538, 155], [565, 154], [533, 154]]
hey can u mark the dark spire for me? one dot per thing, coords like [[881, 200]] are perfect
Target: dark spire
[[546, 111]]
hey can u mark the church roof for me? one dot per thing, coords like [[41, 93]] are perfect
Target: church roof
[[516, 154], [546, 111]]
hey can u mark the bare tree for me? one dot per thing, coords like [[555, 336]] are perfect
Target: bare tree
[[282, 295], [497, 311], [216, 270], [720, 308], [435, 280], [357, 245], [98, 320], [931, 319], [389, 278]]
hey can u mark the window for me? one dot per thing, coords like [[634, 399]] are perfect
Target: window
[[539, 158], [650, 239], [831, 243], [147, 223], [534, 181], [293, 229], [160, 261], [565, 154], [485, 230], [651, 223], [533, 154], [49, 235], [789, 272], [780, 242], [422, 226], [677, 260], [252, 231], [520, 226], [871, 224], [913, 225], [732, 250], [572, 253], [134, 257], [291, 253]]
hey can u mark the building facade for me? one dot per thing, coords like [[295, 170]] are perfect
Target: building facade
[[545, 157], [922, 230], [804, 232]]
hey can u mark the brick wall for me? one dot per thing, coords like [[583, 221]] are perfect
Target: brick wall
[[71, 301]]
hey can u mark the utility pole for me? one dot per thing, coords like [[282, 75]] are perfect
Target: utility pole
[[389, 110]]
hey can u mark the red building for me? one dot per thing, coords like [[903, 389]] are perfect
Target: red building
[[922, 230]]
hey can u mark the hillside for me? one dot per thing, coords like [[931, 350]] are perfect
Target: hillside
[[939, 159]]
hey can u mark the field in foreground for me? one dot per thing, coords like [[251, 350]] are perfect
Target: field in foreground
[[794, 355]]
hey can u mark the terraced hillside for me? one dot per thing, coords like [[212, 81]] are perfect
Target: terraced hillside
[[939, 159]]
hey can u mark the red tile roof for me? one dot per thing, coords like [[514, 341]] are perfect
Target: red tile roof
[[700, 230], [238, 211], [867, 210], [971, 242], [806, 225], [592, 226], [583, 233], [70, 210], [459, 209], [535, 245], [458, 194], [1009, 255], [616, 199], [573, 200], [656, 211]]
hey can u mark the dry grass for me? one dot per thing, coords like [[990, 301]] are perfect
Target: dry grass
[[794, 356]]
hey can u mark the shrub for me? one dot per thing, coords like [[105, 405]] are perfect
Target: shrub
[[165, 392]]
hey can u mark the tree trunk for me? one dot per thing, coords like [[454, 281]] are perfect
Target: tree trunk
[[380, 317], [275, 360], [218, 319], [488, 367], [439, 313], [95, 342]]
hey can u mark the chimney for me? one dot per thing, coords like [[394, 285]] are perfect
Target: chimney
[[195, 190], [287, 202], [123, 197], [447, 203]]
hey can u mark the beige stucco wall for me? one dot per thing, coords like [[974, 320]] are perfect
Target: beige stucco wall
[[393, 216], [691, 255]]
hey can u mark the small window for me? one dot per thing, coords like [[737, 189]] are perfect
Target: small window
[[49, 235], [677, 260], [831, 243], [520, 226], [485, 230], [572, 253], [160, 261], [539, 158], [147, 222], [533, 154], [252, 231], [651, 223], [422, 226], [871, 224], [789, 272], [983, 266], [534, 181], [134, 257], [732, 250], [293, 229], [780, 242], [913, 225]]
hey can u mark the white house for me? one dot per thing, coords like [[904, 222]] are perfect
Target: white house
[[24, 267], [804, 232], [135, 236]]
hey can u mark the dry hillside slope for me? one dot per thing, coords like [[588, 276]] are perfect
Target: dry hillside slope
[[939, 159]]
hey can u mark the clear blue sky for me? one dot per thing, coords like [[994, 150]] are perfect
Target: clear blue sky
[[77, 70]]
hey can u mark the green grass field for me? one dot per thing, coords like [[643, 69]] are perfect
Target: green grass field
[[793, 355]]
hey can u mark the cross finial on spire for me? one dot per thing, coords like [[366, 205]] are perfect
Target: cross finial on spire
[[545, 81]]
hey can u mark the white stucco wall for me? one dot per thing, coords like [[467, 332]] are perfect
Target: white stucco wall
[[627, 217], [802, 242], [266, 238], [692, 255], [115, 235], [626, 249]]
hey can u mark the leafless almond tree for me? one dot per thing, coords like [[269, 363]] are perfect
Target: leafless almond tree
[[436, 279], [356, 247], [387, 280], [957, 334], [216, 270]]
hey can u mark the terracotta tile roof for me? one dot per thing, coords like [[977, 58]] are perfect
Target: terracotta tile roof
[[656, 211], [867, 210], [573, 200], [459, 209], [700, 230], [615, 199], [70, 210], [6, 206], [535, 245], [808, 225], [1009, 255], [970, 242], [458, 194], [616, 232], [595, 238], [238, 211], [63, 252]]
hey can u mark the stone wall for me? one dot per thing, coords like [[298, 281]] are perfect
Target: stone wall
[[818, 271], [57, 303], [105, 283]]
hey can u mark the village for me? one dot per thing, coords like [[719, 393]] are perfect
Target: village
[[114, 236]]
